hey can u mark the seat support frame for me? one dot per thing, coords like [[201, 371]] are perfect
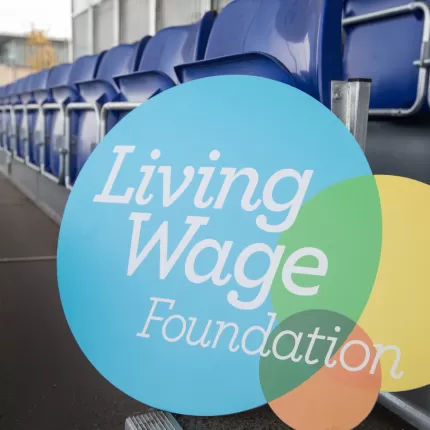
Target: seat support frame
[[42, 143], [66, 151], [423, 88], [113, 107]]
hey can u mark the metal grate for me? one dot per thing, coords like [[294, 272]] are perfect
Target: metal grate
[[154, 420]]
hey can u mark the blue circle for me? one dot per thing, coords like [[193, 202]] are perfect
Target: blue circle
[[229, 122]]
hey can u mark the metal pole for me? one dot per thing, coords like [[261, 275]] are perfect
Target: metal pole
[[152, 16], [350, 103], [29, 108], [405, 410]]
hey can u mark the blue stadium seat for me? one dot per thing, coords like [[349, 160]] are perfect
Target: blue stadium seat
[[297, 42], [2, 117], [7, 118], [21, 97], [39, 93], [98, 89], [168, 48], [14, 126], [384, 50], [61, 93], [27, 98], [62, 84]]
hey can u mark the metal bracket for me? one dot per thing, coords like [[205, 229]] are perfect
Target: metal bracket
[[350, 103], [23, 133], [424, 61], [72, 149], [39, 138], [60, 144]]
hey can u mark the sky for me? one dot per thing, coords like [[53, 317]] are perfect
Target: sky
[[52, 16]]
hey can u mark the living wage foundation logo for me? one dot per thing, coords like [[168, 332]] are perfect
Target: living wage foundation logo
[[227, 246]]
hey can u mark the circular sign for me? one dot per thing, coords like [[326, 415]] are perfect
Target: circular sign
[[204, 219]]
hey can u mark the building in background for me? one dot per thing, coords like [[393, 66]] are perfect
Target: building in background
[[102, 24], [22, 54]]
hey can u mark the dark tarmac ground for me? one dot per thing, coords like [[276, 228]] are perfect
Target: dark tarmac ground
[[46, 383]]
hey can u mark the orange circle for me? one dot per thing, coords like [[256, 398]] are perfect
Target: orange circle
[[335, 398]]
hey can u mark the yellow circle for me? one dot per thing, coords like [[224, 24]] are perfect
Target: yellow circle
[[397, 316]]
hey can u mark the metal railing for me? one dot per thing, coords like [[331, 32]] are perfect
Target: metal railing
[[17, 133], [113, 107], [423, 63], [9, 130], [29, 108], [344, 104], [41, 141], [66, 150]]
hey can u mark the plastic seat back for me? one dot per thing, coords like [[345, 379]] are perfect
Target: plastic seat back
[[61, 93], [122, 59], [97, 90], [6, 117], [13, 120], [38, 87], [65, 92], [2, 117], [384, 50], [297, 42], [168, 48], [20, 98], [114, 116], [29, 122]]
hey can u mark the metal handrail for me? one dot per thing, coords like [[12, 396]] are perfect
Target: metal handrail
[[423, 88], [113, 107], [28, 162], [15, 149], [42, 144], [3, 129], [9, 132]]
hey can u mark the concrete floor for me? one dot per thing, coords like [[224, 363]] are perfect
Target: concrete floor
[[46, 383]]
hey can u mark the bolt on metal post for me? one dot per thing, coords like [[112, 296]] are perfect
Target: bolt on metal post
[[350, 103]]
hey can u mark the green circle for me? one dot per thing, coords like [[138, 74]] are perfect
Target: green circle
[[344, 222]]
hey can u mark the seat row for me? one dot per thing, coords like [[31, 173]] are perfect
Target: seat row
[[53, 119]]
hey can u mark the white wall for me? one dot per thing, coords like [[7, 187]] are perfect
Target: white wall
[[101, 24]]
